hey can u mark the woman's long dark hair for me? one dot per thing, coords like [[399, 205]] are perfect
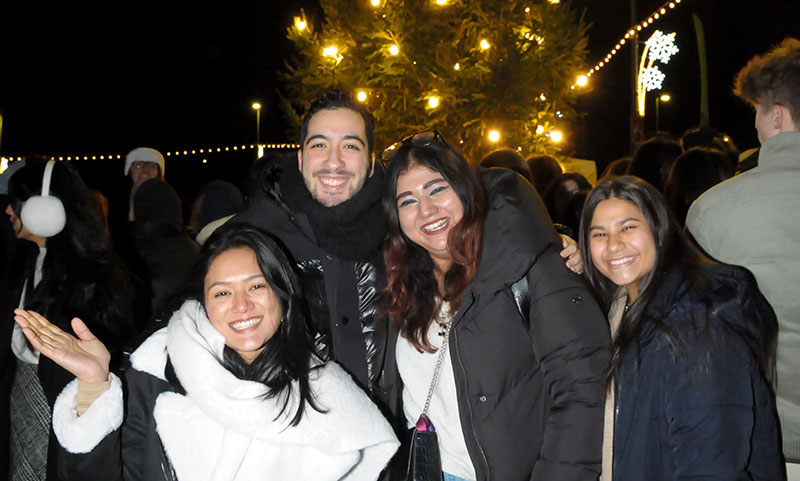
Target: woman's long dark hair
[[412, 286], [674, 253], [287, 356], [82, 276]]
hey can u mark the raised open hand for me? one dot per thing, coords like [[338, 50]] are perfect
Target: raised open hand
[[85, 356]]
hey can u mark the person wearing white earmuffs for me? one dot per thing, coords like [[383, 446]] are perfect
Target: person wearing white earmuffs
[[66, 267]]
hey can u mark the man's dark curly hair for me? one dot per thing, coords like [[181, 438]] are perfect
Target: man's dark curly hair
[[773, 78], [339, 99]]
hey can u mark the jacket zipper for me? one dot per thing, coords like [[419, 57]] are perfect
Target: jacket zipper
[[614, 427], [469, 404]]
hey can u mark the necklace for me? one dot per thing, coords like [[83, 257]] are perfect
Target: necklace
[[443, 318]]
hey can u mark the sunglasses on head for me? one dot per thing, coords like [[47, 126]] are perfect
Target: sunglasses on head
[[420, 139]]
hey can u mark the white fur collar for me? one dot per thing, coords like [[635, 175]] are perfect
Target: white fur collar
[[224, 430]]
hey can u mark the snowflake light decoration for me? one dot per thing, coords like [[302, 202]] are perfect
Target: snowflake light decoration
[[651, 78], [662, 47], [658, 48]]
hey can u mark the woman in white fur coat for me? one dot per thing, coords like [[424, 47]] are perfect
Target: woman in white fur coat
[[229, 390]]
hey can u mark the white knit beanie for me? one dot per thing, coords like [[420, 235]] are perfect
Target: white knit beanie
[[144, 154]]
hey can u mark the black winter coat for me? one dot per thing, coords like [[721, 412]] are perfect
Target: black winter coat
[[342, 295], [705, 409], [166, 249], [530, 388]]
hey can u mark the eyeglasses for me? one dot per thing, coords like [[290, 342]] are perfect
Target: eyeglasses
[[420, 139], [138, 164]]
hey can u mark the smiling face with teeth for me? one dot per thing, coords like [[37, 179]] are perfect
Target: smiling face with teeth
[[334, 159], [428, 208], [240, 303], [621, 244]]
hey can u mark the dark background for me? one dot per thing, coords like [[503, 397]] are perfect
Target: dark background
[[735, 31], [89, 80]]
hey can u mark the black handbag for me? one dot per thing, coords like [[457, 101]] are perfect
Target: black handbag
[[424, 458]]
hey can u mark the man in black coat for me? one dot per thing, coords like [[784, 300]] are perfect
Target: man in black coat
[[324, 206]]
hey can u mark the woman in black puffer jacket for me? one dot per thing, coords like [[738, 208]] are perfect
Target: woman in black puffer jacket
[[693, 347], [474, 260]]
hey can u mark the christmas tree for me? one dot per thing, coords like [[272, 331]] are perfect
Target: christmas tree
[[485, 73]]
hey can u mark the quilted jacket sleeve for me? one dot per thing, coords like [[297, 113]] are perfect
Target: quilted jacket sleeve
[[571, 342]]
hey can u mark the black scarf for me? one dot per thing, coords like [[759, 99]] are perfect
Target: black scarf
[[352, 230]]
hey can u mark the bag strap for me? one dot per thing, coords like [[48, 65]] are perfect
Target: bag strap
[[443, 315]]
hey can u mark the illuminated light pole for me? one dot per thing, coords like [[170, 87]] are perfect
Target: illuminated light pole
[[257, 107], [659, 99], [661, 48]]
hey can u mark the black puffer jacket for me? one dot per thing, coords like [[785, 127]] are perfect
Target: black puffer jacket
[[530, 389], [705, 409], [342, 295]]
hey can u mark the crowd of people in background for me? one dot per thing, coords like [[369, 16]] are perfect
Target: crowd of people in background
[[309, 325]]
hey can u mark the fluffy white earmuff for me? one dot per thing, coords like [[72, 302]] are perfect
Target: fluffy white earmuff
[[44, 215]]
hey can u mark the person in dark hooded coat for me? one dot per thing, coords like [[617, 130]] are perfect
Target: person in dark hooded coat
[[161, 239]]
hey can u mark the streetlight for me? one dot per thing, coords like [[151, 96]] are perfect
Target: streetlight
[[659, 99], [257, 108]]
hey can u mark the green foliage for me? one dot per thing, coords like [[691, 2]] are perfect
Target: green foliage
[[522, 81]]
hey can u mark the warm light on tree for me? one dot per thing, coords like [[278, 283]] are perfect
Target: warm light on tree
[[300, 23], [556, 136], [361, 96], [330, 51], [582, 81], [464, 70], [494, 136]]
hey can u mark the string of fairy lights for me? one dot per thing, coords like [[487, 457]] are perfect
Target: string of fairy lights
[[432, 100], [5, 160], [633, 31]]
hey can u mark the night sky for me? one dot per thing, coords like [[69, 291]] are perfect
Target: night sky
[[182, 75]]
